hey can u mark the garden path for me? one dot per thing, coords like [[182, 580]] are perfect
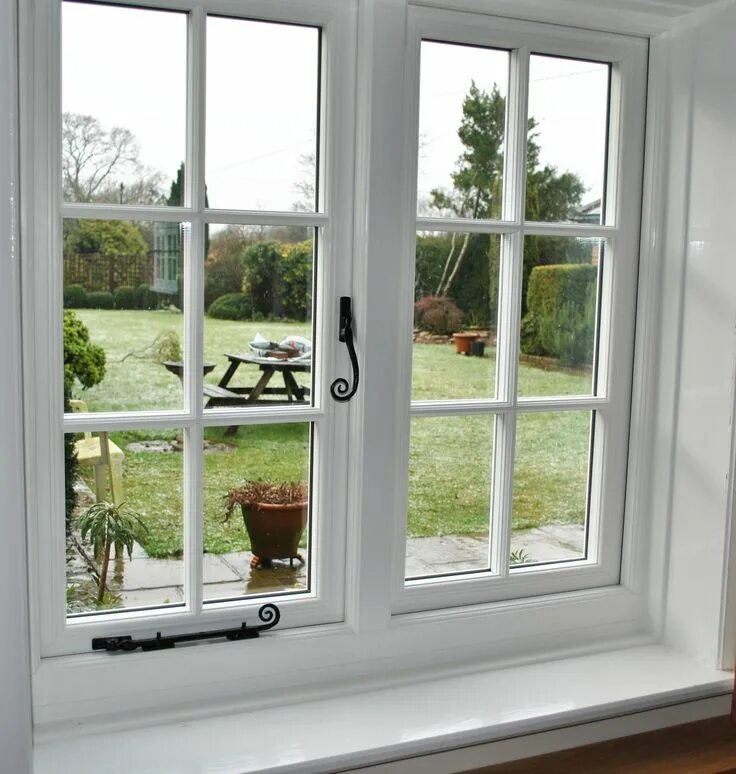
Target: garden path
[[148, 581]]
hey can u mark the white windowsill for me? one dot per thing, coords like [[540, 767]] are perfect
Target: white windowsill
[[391, 723]]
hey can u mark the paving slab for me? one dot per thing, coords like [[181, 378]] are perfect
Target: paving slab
[[145, 573], [545, 544], [231, 590], [214, 570], [152, 597], [147, 582], [448, 550]]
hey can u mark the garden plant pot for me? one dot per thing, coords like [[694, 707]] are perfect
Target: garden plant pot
[[478, 348], [463, 342], [275, 531]]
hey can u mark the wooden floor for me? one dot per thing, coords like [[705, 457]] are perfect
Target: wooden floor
[[705, 747]]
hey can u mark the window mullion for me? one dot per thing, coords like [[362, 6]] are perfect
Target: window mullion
[[510, 309], [194, 323]]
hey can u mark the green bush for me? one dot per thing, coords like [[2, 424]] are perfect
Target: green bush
[[100, 299], [560, 321], [231, 306], [145, 297], [277, 278], [222, 275], [261, 277], [75, 297], [295, 281], [125, 297], [437, 315], [83, 362]]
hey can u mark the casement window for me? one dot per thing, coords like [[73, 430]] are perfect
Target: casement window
[[497, 173]]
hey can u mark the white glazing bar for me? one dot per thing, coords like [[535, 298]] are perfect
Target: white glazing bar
[[193, 311], [512, 253], [266, 218], [261, 415], [107, 421], [471, 225], [191, 213], [583, 230], [126, 212], [524, 405]]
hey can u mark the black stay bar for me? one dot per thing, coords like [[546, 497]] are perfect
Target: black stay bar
[[269, 613]]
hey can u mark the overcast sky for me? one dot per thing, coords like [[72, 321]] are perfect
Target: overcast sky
[[127, 68]]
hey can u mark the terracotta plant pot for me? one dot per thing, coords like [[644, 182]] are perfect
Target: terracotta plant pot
[[463, 342], [274, 531]]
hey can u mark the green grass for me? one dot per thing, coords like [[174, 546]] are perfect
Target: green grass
[[450, 457]]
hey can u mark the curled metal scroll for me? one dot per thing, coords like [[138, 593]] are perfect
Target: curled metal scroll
[[268, 613], [340, 389]]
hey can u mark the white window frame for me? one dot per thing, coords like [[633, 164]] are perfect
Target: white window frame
[[376, 624], [324, 601], [618, 279]]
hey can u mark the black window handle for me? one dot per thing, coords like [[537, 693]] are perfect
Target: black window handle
[[268, 613], [340, 389]]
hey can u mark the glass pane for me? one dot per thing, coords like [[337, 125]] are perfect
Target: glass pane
[[566, 160], [124, 101], [127, 485], [462, 121], [122, 313], [258, 326], [550, 487], [559, 315], [262, 115], [455, 314], [262, 547], [450, 474]]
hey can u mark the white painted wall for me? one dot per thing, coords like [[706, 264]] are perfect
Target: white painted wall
[[15, 705], [696, 397]]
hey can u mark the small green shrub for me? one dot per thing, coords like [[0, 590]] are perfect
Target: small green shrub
[[83, 362], [221, 276], [100, 299], [560, 321], [82, 359], [75, 297], [437, 314], [145, 297], [125, 297], [231, 306]]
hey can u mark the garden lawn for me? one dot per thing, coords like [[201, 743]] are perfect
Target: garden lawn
[[450, 457]]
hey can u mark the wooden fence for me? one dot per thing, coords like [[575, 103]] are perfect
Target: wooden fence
[[94, 271]]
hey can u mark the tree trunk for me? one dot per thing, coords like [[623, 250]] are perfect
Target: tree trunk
[[459, 260], [447, 266], [103, 571]]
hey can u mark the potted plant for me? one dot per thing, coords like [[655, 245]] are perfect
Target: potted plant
[[463, 341], [275, 516], [105, 524]]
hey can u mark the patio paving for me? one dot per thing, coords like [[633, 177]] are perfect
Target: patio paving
[[147, 581]]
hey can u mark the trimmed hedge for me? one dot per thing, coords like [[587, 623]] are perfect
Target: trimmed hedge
[[125, 297], [560, 321], [75, 297], [231, 306], [100, 299]]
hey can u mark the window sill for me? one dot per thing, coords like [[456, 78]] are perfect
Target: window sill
[[405, 720]]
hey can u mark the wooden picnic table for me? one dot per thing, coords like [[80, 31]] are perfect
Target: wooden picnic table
[[226, 394]]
